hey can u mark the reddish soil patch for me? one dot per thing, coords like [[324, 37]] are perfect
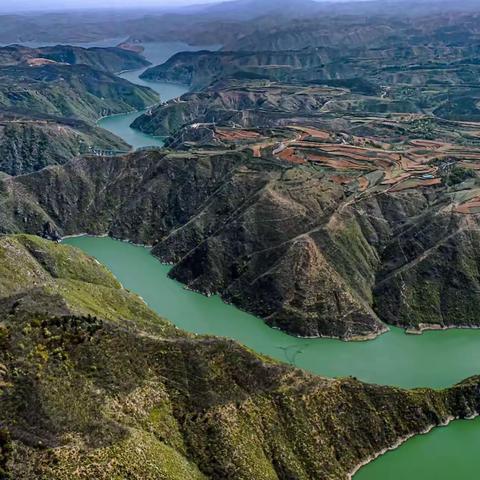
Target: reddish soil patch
[[289, 155], [340, 163], [314, 132], [472, 206], [232, 135], [257, 151], [38, 62], [416, 183], [363, 183], [341, 180]]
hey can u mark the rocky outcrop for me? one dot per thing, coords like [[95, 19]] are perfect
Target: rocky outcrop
[[95, 385]]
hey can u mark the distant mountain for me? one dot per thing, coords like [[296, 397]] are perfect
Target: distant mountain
[[249, 9]]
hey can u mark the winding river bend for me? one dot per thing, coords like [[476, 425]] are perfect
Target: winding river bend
[[156, 53], [435, 359]]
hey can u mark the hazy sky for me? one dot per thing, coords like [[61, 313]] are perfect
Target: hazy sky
[[25, 5]]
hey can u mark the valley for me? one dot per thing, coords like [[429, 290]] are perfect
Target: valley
[[394, 358], [51, 98], [120, 124], [323, 196]]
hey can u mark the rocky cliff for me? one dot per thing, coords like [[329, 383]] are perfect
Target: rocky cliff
[[95, 385]]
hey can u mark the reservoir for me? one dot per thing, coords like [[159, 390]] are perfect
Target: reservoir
[[435, 359]]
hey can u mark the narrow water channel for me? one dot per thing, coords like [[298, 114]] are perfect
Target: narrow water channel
[[435, 359], [156, 53]]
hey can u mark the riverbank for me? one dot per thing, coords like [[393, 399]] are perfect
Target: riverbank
[[120, 124], [436, 359]]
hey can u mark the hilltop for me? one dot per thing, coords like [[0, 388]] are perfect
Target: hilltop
[[111, 60]]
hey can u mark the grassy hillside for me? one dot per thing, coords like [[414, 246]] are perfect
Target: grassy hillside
[[112, 60], [95, 385], [72, 91]]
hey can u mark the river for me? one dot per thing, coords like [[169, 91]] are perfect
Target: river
[[435, 359], [156, 53]]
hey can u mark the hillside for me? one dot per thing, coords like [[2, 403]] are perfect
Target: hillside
[[261, 103], [111, 60], [50, 98], [95, 385], [436, 79], [339, 215], [322, 174], [28, 145], [71, 91]]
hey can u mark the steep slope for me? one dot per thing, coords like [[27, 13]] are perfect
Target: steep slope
[[111, 60], [200, 68], [239, 225], [436, 77], [94, 385], [261, 103], [50, 97], [72, 91], [28, 145]]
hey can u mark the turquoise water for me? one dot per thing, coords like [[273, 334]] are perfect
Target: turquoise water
[[435, 359], [444, 454], [156, 53]]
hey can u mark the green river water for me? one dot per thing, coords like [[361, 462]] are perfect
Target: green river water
[[156, 53], [435, 359]]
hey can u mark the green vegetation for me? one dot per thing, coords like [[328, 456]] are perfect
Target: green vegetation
[[30, 145], [459, 174], [50, 98], [124, 394], [71, 91]]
